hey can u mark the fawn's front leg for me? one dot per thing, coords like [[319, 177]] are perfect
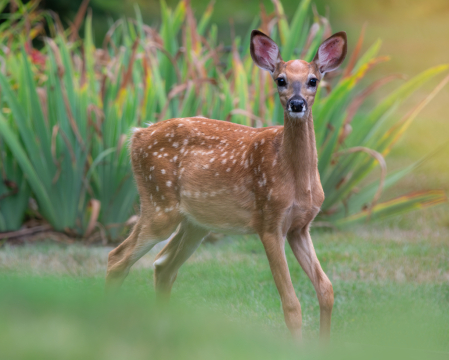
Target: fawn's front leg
[[302, 246], [274, 245]]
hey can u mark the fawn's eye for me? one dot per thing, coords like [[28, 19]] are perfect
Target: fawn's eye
[[281, 81], [312, 82]]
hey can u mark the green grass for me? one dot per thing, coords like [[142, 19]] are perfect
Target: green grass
[[391, 298]]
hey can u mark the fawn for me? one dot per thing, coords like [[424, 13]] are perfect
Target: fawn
[[197, 175]]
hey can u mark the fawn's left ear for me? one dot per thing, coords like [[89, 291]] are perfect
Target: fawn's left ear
[[331, 52]]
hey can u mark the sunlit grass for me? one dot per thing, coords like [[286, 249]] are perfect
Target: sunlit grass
[[391, 298]]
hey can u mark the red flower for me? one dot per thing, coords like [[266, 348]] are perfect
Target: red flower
[[36, 56]]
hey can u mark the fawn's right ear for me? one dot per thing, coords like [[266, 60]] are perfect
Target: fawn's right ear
[[264, 51]]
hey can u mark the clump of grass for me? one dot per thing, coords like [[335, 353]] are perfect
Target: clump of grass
[[67, 111]]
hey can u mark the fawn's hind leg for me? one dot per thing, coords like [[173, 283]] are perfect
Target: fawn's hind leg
[[174, 254], [143, 237]]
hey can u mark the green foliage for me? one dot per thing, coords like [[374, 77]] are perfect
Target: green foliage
[[68, 110], [14, 191]]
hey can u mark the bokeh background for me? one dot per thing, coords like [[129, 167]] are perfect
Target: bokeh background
[[414, 35]]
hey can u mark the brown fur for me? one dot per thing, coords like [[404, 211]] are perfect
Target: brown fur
[[199, 174]]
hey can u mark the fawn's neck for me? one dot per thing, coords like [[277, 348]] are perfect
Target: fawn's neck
[[299, 151]]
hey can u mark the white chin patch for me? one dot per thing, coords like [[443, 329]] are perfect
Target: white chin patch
[[297, 115]]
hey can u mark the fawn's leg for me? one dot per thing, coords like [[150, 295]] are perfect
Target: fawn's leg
[[174, 254], [302, 246], [274, 246], [141, 240]]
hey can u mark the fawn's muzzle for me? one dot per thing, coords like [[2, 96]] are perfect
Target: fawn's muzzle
[[297, 105]]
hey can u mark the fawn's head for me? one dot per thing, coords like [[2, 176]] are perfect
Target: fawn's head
[[297, 80]]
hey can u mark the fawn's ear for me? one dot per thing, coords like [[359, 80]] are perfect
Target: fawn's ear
[[264, 51], [331, 52]]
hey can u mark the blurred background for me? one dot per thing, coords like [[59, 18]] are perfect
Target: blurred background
[[414, 35], [399, 40]]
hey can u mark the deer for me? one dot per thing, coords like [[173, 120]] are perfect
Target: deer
[[196, 175]]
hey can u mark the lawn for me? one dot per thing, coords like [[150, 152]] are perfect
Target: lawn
[[391, 298]]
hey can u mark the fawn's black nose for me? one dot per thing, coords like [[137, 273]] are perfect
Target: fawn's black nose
[[297, 105]]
